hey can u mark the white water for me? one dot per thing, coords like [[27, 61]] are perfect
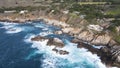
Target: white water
[[77, 58]]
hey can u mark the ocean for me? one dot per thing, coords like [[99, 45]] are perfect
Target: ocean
[[18, 51]]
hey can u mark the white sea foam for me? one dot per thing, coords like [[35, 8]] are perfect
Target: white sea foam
[[98, 47], [8, 23], [45, 29], [28, 38], [45, 33], [76, 58], [11, 27], [13, 30]]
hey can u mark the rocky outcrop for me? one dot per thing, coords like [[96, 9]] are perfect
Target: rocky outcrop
[[101, 39], [86, 36], [61, 52], [38, 38], [55, 42], [92, 38], [51, 41], [115, 52], [111, 54], [58, 32], [67, 30]]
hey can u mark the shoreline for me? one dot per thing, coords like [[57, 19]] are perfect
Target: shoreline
[[99, 52]]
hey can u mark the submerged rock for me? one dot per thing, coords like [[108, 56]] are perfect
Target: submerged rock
[[56, 50], [61, 52]]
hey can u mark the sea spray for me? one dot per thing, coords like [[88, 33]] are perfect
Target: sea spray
[[77, 57]]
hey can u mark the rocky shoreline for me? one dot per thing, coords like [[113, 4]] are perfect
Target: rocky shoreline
[[110, 53]]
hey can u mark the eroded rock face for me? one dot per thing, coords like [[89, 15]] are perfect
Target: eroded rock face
[[67, 30], [113, 54], [115, 51], [101, 39], [86, 35]]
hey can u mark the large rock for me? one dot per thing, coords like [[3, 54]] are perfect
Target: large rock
[[67, 30], [75, 32], [38, 38], [61, 52], [58, 32], [115, 51], [111, 54], [55, 42], [101, 39], [86, 36]]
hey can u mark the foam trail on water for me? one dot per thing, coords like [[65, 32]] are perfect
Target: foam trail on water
[[13, 30]]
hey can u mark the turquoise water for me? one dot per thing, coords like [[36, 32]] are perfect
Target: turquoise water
[[18, 51]]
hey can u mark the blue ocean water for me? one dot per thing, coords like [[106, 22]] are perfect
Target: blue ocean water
[[18, 51]]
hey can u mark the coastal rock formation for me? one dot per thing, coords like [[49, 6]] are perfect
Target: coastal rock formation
[[58, 32], [61, 52], [38, 38], [55, 42], [101, 39], [51, 41], [111, 54], [86, 36], [115, 52], [67, 30]]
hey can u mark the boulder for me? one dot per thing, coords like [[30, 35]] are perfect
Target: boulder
[[54, 49], [75, 40], [38, 38], [76, 31], [55, 42], [63, 52], [115, 51], [67, 30], [86, 36], [111, 54], [58, 32], [101, 39]]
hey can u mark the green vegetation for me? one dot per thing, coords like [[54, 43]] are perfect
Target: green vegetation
[[19, 8], [91, 11], [114, 33], [93, 3]]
